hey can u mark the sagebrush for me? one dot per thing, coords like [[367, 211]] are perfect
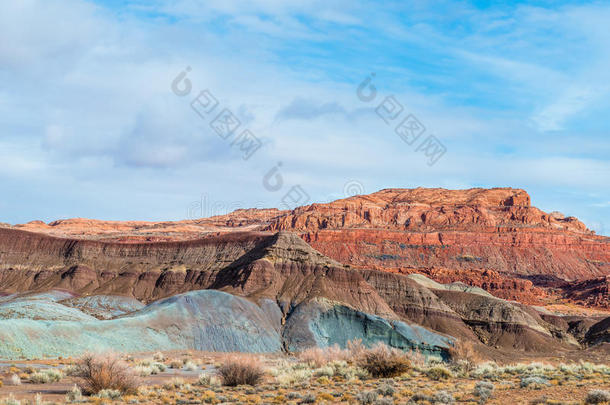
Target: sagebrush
[[241, 370], [383, 361], [105, 372]]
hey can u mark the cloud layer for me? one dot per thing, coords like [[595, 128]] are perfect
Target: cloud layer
[[517, 94]]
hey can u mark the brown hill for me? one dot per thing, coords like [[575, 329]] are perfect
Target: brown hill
[[281, 270]]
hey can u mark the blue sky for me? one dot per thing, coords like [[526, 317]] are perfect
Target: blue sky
[[517, 92]]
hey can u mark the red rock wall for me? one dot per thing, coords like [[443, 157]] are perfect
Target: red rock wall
[[519, 252]]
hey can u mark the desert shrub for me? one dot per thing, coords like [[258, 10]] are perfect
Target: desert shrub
[[584, 368], [485, 370], [418, 359], [463, 350], [207, 380], [145, 362], [49, 375], [359, 373], [537, 367], [534, 368], [152, 369], [96, 373], [204, 379], [483, 390], [320, 356], [383, 361], [386, 389], [355, 347], [74, 395], [70, 370], [143, 371], [308, 399], [462, 357], [439, 373], [175, 364], [421, 398], [342, 369], [14, 380], [10, 401], [175, 383], [443, 397], [158, 356], [597, 397], [603, 368], [534, 381], [384, 401], [323, 380], [324, 397], [288, 374], [367, 397], [190, 366], [568, 368], [324, 371], [241, 370], [514, 369], [109, 394]]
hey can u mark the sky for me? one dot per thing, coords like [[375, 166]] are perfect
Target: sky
[[166, 110]]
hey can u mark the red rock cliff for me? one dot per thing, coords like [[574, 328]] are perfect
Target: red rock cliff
[[493, 229], [492, 238]]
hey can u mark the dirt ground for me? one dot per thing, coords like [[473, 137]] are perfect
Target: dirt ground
[[290, 380]]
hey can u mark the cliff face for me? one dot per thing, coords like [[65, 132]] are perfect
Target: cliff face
[[490, 238], [147, 271], [426, 210], [494, 229], [593, 292], [314, 298]]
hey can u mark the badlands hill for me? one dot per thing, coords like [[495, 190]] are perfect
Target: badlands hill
[[489, 238], [414, 268]]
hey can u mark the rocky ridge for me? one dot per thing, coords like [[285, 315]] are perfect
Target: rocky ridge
[[453, 263], [489, 238], [311, 294]]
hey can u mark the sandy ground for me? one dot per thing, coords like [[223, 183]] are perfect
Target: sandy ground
[[560, 387]]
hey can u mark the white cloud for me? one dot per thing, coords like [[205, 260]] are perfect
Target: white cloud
[[87, 108]]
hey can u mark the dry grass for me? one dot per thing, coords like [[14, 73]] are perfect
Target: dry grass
[[105, 372], [14, 379], [463, 350], [46, 376], [320, 356], [241, 370], [383, 361], [339, 381]]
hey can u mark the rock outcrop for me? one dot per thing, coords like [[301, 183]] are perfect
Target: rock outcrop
[[104, 306], [321, 323], [592, 292], [407, 267], [201, 320], [472, 229], [598, 333], [207, 320], [489, 238]]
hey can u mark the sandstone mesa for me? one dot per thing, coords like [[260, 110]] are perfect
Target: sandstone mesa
[[419, 265]]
